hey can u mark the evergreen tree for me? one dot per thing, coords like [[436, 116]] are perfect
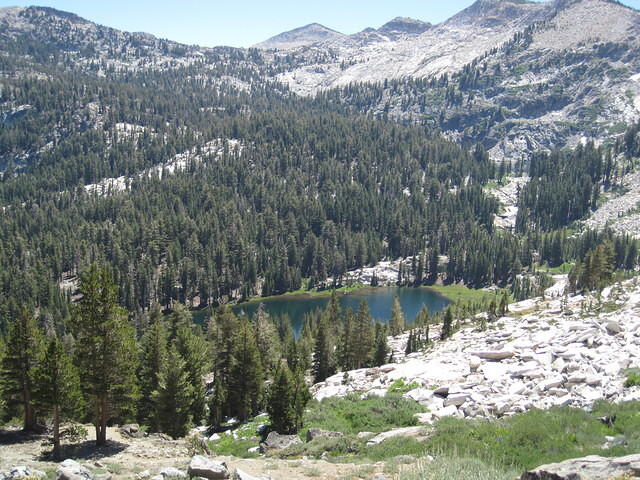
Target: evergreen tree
[[381, 347], [267, 340], [280, 401], [195, 352], [503, 308], [23, 352], [245, 374], [106, 351], [217, 403], [180, 317], [288, 396], [152, 362], [424, 321], [363, 336], [174, 396], [322, 367], [58, 389], [397, 323], [447, 324], [345, 347]]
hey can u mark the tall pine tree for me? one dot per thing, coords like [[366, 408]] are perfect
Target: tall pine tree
[[58, 389], [23, 353], [245, 374], [397, 323], [106, 351], [174, 395], [152, 362]]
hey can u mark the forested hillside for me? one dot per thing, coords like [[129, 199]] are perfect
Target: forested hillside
[[205, 182]]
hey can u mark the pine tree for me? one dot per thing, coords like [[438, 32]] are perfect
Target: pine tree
[[280, 401], [363, 338], [58, 389], [152, 362], [267, 340], [345, 349], [173, 398], [381, 348], [288, 396], [23, 352], [217, 403], [321, 353], [195, 352], [503, 308], [424, 321], [301, 397], [180, 317], [397, 323], [447, 324], [245, 374], [106, 351]]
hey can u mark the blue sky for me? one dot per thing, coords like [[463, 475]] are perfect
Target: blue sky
[[242, 23]]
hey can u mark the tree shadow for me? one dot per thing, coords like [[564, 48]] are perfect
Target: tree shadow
[[88, 450], [14, 436]]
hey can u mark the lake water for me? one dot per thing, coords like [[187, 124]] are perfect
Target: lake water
[[379, 300]]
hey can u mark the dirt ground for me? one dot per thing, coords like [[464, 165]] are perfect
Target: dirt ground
[[133, 458]]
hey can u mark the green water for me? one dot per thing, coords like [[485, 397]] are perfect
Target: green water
[[379, 300]]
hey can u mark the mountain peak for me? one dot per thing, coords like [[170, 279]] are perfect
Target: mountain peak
[[489, 13], [404, 25], [300, 37]]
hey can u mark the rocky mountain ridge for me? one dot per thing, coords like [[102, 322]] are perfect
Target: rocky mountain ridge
[[520, 76]]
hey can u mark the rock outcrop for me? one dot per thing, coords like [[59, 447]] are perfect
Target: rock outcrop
[[22, 473], [592, 467], [72, 470], [275, 441], [559, 351], [206, 468]]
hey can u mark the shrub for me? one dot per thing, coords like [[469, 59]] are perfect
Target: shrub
[[400, 387]]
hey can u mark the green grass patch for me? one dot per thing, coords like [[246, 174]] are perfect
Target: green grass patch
[[238, 441], [536, 437], [394, 447], [458, 468], [633, 377], [564, 268], [462, 294], [352, 414], [236, 447]]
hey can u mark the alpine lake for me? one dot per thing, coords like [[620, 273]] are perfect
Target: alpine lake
[[379, 300]]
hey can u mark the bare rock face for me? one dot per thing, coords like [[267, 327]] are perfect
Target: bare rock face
[[275, 441], [206, 468], [72, 470], [398, 432], [592, 467], [131, 430]]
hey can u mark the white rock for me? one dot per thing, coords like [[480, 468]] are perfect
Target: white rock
[[420, 394], [449, 411], [456, 400], [550, 383], [398, 432], [494, 355]]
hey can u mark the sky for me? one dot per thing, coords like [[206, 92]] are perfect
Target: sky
[[242, 23]]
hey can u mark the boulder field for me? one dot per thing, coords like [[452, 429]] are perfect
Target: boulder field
[[565, 350]]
